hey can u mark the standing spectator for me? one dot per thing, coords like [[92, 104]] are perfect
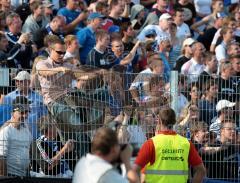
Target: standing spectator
[[207, 105], [128, 35], [96, 57], [168, 143], [48, 10], [186, 53], [235, 60], [116, 10], [137, 16], [86, 36], [22, 56], [194, 67], [183, 30], [15, 140], [74, 18], [161, 8], [55, 27], [161, 29], [97, 166], [37, 109], [221, 49], [72, 47], [226, 85], [36, 20], [203, 8], [189, 11], [225, 111]]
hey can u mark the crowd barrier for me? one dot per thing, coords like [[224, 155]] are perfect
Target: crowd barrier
[[97, 97]]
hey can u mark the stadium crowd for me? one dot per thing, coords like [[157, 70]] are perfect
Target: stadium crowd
[[69, 67]]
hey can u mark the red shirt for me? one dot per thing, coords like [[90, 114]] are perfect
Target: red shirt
[[147, 153]]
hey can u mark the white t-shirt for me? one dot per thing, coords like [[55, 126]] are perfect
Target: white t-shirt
[[183, 32], [203, 6], [14, 146]]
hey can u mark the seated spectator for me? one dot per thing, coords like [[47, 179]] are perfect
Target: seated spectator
[[97, 56], [207, 105], [186, 54], [225, 111], [15, 141], [188, 115], [194, 67], [49, 154], [36, 20], [194, 93], [74, 18], [36, 106], [86, 36], [55, 27]]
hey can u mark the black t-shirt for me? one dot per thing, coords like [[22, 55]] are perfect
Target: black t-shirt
[[207, 37], [179, 63], [189, 12], [118, 21], [228, 89]]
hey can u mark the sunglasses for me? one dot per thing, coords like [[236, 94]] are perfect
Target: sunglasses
[[60, 52]]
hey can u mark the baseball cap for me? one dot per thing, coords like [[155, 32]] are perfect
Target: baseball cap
[[165, 16], [114, 28], [188, 42], [20, 103], [23, 75], [94, 15], [150, 32], [224, 104], [47, 4]]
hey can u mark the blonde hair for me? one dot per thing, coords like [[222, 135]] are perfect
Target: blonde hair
[[69, 39]]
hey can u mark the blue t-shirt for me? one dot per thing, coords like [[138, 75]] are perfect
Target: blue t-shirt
[[70, 15], [87, 40], [167, 68]]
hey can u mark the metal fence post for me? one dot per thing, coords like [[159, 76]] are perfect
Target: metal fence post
[[174, 91]]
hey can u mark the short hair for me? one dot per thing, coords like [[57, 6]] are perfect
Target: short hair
[[167, 116], [237, 56], [50, 39], [58, 17], [10, 18], [100, 6], [224, 30], [196, 126], [154, 60], [226, 121], [100, 34], [209, 56], [103, 140], [208, 84], [225, 65], [34, 5], [57, 41], [114, 3], [178, 10], [69, 39]]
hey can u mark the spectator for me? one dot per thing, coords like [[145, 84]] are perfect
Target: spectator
[[189, 11], [148, 160], [233, 48], [183, 30], [207, 105], [74, 18], [37, 109], [15, 139], [22, 56], [226, 84], [203, 8], [164, 49], [128, 35], [189, 115], [86, 36], [221, 50], [208, 21], [49, 153], [155, 67], [116, 11], [161, 29], [102, 8], [97, 56], [194, 67], [55, 27], [235, 60], [48, 40], [48, 10], [104, 152], [224, 109], [207, 37], [194, 93], [137, 16], [186, 53], [36, 20], [72, 47]]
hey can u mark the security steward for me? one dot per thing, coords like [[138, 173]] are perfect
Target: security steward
[[166, 157]]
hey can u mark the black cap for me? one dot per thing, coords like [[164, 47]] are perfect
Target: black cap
[[21, 103]]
